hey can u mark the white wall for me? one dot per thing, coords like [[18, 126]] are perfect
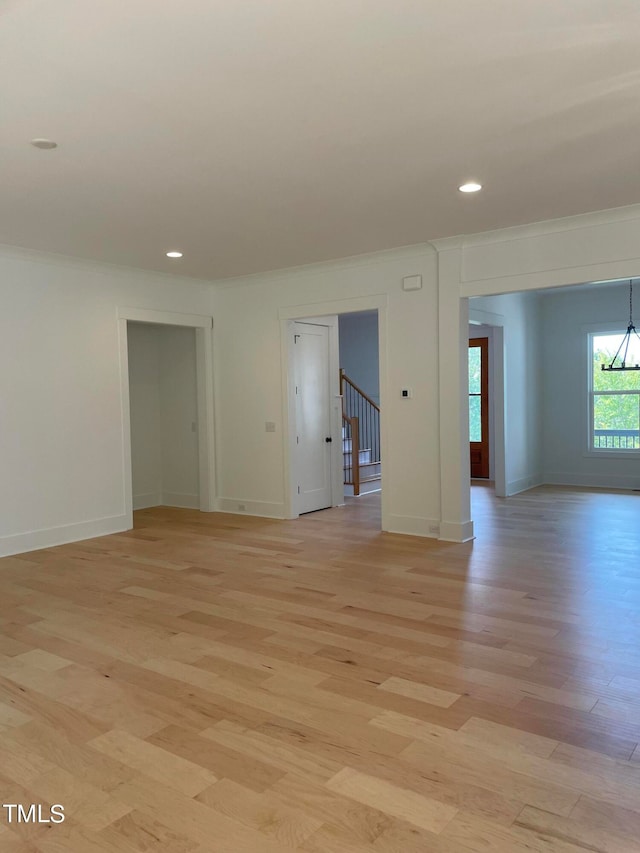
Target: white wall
[[565, 314], [164, 403], [520, 318], [251, 388], [61, 438], [359, 351]]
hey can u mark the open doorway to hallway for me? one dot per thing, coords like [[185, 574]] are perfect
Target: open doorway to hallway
[[334, 411], [360, 391]]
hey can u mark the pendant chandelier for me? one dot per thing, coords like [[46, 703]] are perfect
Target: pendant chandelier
[[623, 349]]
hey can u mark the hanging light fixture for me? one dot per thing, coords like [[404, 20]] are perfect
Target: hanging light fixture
[[623, 349]]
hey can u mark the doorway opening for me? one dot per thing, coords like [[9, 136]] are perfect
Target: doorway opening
[[319, 401], [479, 444], [163, 400], [360, 391], [166, 371]]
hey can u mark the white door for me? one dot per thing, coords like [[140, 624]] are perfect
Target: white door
[[313, 416]]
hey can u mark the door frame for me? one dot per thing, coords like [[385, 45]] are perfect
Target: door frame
[[309, 314], [478, 317], [203, 326]]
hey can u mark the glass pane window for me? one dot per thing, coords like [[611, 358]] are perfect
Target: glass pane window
[[475, 421], [475, 363], [616, 421], [604, 348]]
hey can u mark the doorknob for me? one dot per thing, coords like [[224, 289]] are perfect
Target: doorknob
[[328, 439]]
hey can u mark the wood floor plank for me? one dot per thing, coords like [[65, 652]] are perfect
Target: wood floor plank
[[392, 799], [210, 682]]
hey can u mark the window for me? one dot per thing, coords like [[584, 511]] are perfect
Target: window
[[614, 396], [475, 420]]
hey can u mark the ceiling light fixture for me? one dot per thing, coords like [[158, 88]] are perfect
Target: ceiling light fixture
[[45, 144], [470, 187], [174, 254], [624, 343]]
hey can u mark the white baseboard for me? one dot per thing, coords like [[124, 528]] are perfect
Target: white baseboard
[[146, 500], [49, 537], [179, 499], [456, 531], [516, 486], [365, 489], [263, 509], [412, 525], [596, 481]]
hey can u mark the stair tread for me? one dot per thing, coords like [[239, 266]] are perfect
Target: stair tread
[[371, 479]]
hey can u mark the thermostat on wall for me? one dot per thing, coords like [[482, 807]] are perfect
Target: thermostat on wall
[[406, 393]]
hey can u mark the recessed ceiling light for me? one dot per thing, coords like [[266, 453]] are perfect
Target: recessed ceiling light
[[174, 254], [44, 143], [470, 187]]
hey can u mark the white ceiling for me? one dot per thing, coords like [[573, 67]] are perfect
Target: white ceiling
[[258, 134]]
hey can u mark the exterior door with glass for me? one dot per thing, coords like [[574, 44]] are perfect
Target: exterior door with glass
[[479, 407]]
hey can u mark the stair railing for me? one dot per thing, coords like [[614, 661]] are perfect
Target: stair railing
[[359, 411], [351, 472]]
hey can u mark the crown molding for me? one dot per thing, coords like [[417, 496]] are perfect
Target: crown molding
[[89, 265], [415, 250], [542, 228]]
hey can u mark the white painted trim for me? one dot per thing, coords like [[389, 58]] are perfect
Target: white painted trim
[[539, 229], [165, 318], [417, 250], [120, 270], [496, 356], [263, 509], [413, 525], [595, 481], [288, 416], [456, 531], [551, 278], [499, 406], [375, 302], [515, 487], [180, 500], [365, 489], [125, 421], [206, 418], [202, 324], [306, 312], [145, 501], [50, 537]]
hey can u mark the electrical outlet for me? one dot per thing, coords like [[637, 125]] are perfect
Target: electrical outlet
[[242, 507], [435, 529], [270, 426]]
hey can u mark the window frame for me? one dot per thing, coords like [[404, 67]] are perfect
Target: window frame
[[592, 332]]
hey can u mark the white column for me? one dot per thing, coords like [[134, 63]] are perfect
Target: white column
[[453, 349]]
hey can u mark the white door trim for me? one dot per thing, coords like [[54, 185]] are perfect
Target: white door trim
[[496, 354], [204, 369], [312, 313]]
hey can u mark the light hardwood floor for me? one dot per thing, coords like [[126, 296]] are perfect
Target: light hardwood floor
[[223, 684]]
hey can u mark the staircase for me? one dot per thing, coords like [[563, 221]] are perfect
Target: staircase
[[360, 439]]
